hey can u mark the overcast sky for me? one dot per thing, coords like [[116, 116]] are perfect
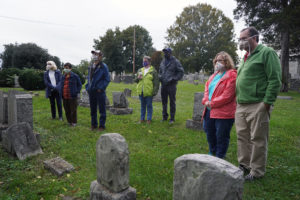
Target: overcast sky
[[67, 27]]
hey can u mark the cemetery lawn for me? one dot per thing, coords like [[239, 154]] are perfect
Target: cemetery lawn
[[153, 149]]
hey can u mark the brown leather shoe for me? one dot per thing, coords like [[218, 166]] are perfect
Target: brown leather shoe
[[93, 128], [101, 129], [148, 121]]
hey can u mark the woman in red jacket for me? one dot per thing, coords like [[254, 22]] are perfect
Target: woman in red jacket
[[220, 105]]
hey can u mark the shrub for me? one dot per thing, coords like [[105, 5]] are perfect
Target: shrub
[[7, 76], [76, 71], [31, 79]]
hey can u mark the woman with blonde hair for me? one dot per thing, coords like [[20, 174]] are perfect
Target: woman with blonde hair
[[52, 80], [220, 105]]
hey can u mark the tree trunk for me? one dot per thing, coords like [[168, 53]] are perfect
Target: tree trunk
[[284, 59]]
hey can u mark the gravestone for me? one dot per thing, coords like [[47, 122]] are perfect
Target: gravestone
[[58, 166], [285, 97], [127, 92], [195, 123], [3, 108], [157, 97], [128, 79], [199, 176], [120, 104], [117, 79], [84, 100], [191, 78], [16, 81], [19, 108], [20, 140], [112, 170]]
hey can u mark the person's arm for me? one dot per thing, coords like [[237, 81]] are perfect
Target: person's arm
[[205, 98], [59, 79], [47, 83], [179, 70], [273, 73], [78, 82], [106, 79]]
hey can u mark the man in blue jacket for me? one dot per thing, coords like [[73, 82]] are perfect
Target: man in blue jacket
[[98, 80]]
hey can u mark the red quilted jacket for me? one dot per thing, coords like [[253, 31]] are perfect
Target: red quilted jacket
[[223, 103]]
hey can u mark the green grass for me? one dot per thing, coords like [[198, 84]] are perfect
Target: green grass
[[153, 149]]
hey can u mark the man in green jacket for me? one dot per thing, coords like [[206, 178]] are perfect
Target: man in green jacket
[[257, 85]]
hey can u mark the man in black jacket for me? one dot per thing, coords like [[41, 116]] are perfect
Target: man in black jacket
[[170, 72]]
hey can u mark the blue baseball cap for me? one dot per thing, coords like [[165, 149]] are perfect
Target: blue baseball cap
[[169, 50]]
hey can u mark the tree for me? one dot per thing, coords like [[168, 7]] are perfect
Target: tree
[[143, 46], [83, 67], [112, 47], [156, 59], [27, 55], [278, 22], [117, 47], [198, 34]]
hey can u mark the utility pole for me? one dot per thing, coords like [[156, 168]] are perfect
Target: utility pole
[[133, 52]]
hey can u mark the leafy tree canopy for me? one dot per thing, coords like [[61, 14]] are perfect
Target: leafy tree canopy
[[27, 55], [198, 34]]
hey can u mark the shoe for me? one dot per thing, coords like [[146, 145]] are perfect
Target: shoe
[[244, 169], [93, 128], [142, 121], [74, 124], [163, 120], [60, 119], [250, 177], [148, 121], [101, 129], [171, 122]]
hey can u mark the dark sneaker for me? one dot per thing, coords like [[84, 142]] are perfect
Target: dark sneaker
[[101, 129], [60, 119], [244, 169], [250, 177], [171, 122], [93, 128]]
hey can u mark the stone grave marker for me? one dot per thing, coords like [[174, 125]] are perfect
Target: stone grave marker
[[128, 79], [112, 170], [117, 79], [199, 176], [19, 139], [127, 92], [195, 123], [58, 166], [120, 104], [157, 97]]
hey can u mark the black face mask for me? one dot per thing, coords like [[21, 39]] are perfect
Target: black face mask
[[167, 56]]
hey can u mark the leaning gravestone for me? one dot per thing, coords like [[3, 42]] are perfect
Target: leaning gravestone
[[19, 108], [127, 92], [112, 170], [195, 123], [128, 79], [157, 97], [199, 176], [120, 104], [19, 139], [58, 166]]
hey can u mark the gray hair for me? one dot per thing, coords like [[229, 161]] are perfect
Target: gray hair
[[148, 58]]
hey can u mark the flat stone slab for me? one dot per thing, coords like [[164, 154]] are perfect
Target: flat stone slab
[[285, 97], [120, 111], [58, 166], [195, 125], [99, 192]]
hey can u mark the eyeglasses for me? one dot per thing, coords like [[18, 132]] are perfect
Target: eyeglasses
[[220, 60], [246, 38]]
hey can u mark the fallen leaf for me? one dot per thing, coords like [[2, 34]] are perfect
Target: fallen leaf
[[68, 175], [38, 177]]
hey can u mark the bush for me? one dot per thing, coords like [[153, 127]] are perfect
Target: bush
[[76, 71], [7, 76], [31, 79]]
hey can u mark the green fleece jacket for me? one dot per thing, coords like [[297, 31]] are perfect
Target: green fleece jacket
[[259, 77], [149, 84]]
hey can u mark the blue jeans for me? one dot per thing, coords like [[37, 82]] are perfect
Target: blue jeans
[[98, 99], [55, 96], [217, 134], [146, 102]]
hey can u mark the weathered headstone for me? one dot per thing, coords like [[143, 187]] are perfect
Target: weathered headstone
[[120, 104], [16, 81], [58, 166], [127, 92], [19, 108], [84, 100], [195, 123], [20, 140], [128, 79], [117, 79], [157, 97], [285, 97], [199, 176], [112, 170]]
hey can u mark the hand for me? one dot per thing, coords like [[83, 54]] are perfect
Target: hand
[[267, 106], [207, 104]]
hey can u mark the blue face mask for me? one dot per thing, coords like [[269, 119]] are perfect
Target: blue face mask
[[145, 63]]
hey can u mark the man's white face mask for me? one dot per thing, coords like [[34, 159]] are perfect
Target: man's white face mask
[[244, 44]]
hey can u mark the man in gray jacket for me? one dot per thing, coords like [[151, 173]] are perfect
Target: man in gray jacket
[[170, 72]]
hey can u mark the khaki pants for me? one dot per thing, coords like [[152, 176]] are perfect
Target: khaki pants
[[252, 127]]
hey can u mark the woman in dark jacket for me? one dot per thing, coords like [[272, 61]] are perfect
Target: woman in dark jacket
[[70, 87], [52, 80]]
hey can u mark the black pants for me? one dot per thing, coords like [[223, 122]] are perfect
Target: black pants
[[70, 106], [168, 91], [55, 96]]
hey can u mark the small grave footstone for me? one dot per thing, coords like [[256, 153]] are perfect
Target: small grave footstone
[[285, 97], [195, 123], [112, 169], [20, 140], [58, 166], [199, 176], [120, 104]]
